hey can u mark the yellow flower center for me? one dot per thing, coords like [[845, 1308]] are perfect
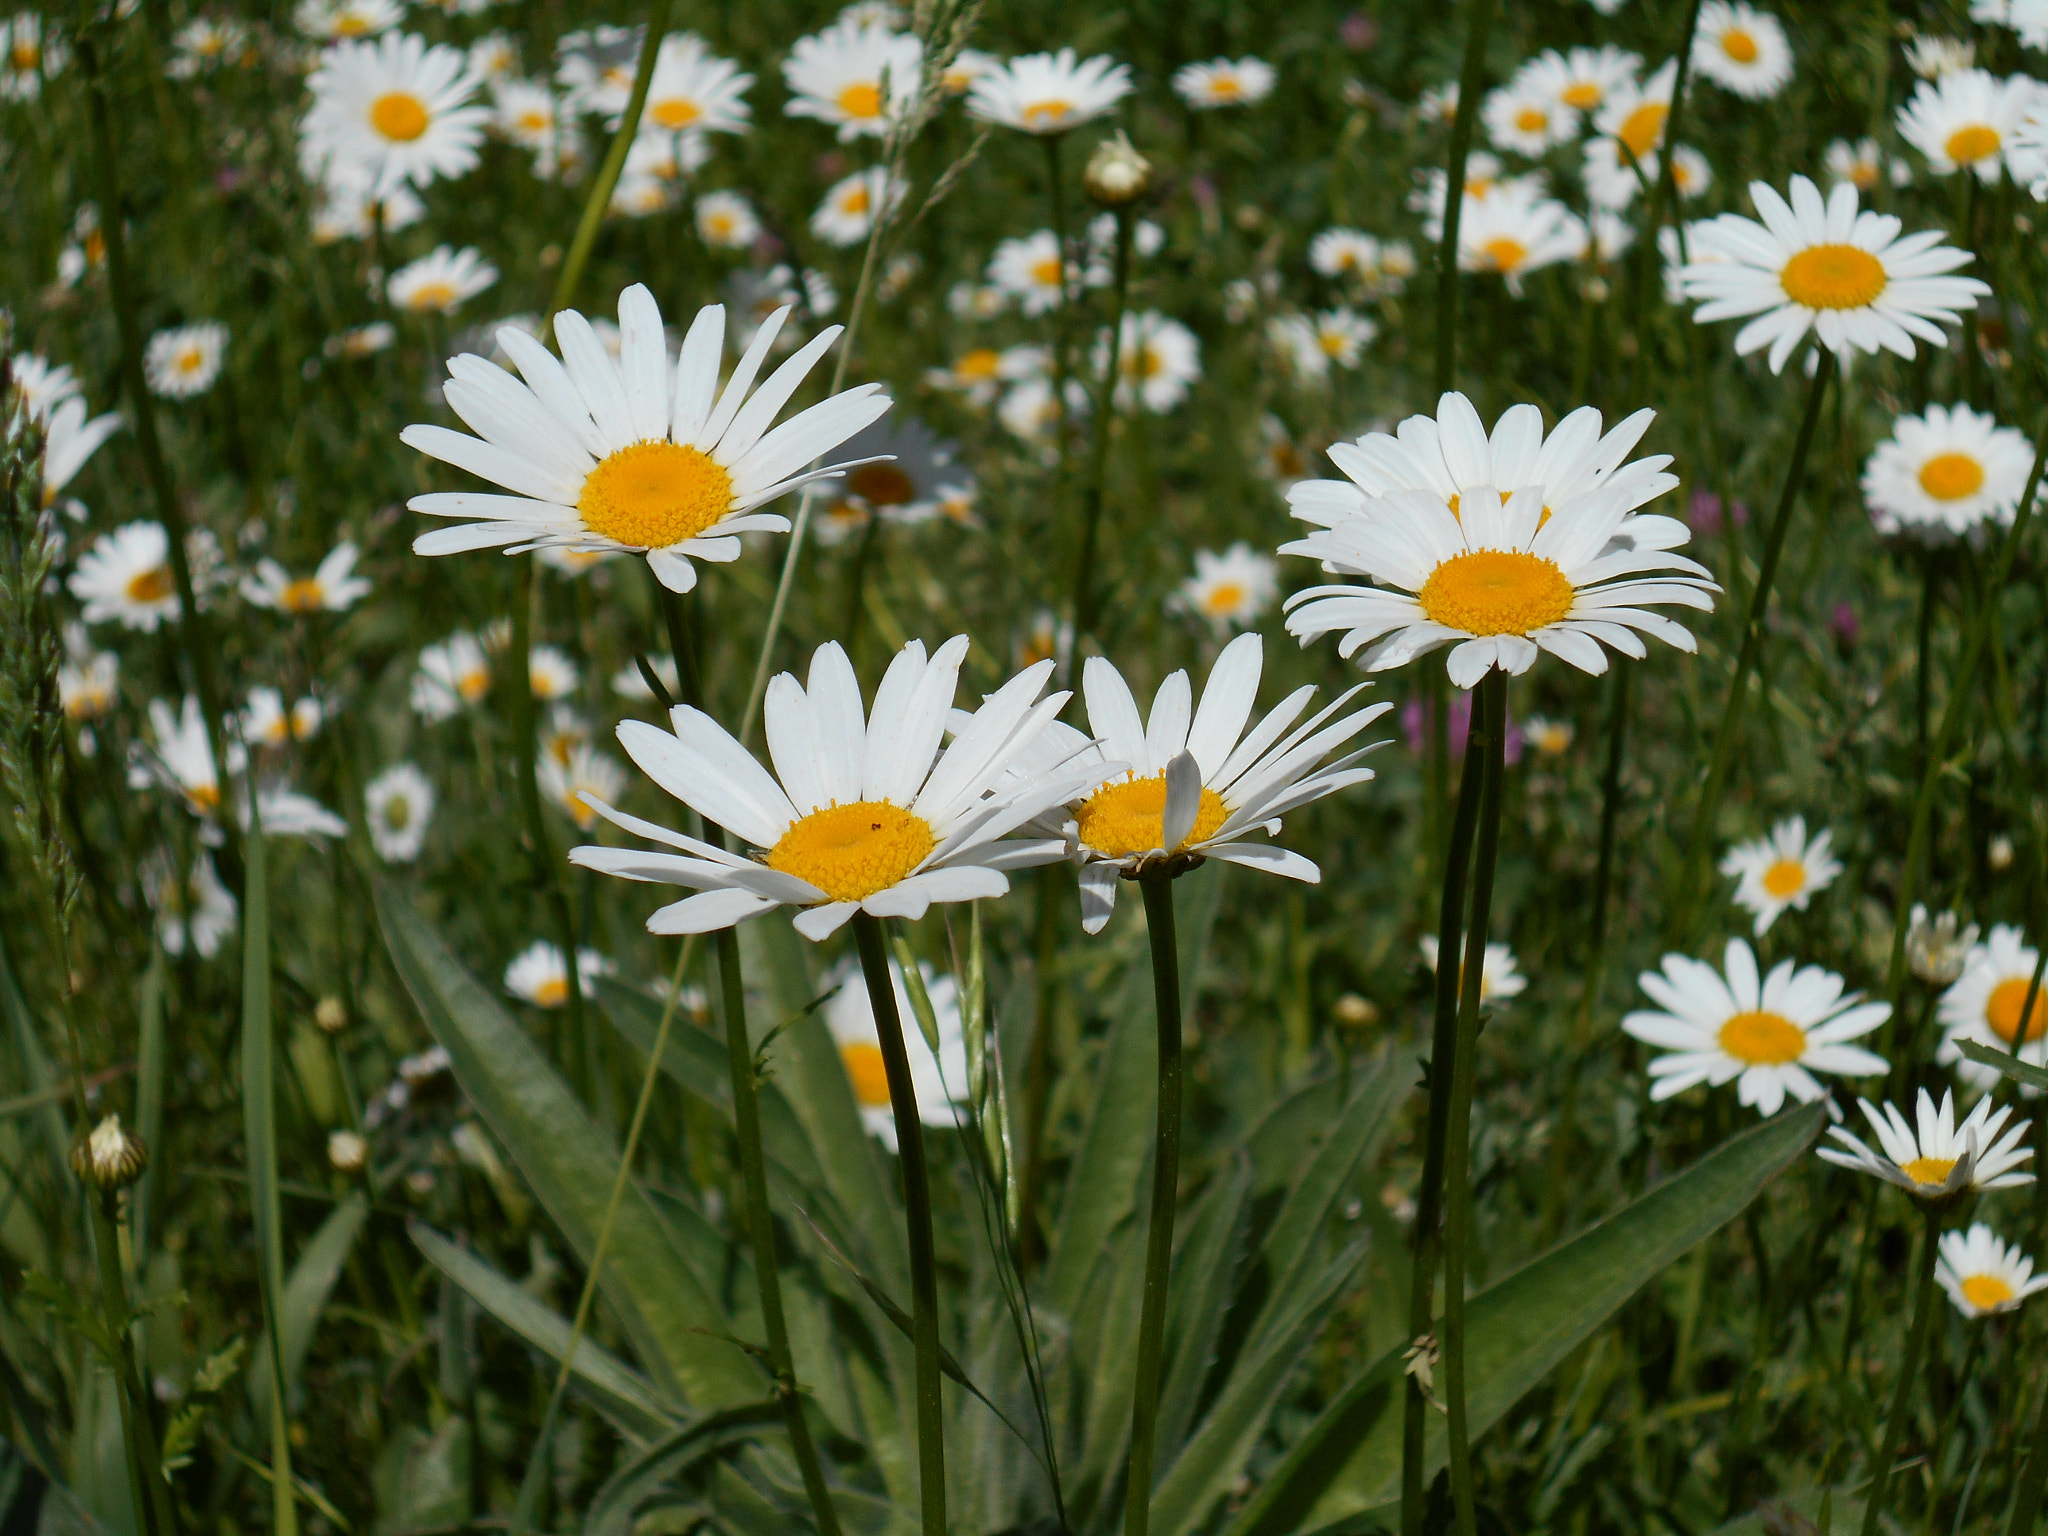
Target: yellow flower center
[[578, 808], [190, 360], [302, 596], [1864, 174], [552, 993], [1833, 277], [152, 585], [979, 365], [1335, 343], [1968, 145], [1987, 1293], [1046, 271], [1739, 46], [1047, 114], [882, 485], [1929, 1172], [1531, 119], [398, 813], [1763, 1039], [432, 296], [205, 796], [675, 112], [535, 121], [1951, 476], [1503, 253], [852, 851], [2002, 1010], [653, 493], [1582, 95], [399, 115], [26, 56], [1642, 128], [474, 683], [1130, 817], [1224, 597], [868, 1073], [862, 100], [1496, 592], [349, 24], [1785, 879], [1226, 88], [856, 199]]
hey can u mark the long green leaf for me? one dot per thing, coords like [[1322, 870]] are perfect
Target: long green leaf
[[305, 1298], [1102, 1189], [619, 1500], [2004, 1061], [35, 1061], [1349, 1461], [570, 1162], [1205, 1276], [149, 1098]]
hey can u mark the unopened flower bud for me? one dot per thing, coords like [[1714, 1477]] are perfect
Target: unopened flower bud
[[1117, 174], [2000, 852], [347, 1151], [1354, 1013], [1938, 949], [110, 1158], [330, 1015]]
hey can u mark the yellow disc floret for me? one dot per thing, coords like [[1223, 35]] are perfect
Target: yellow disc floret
[[1966, 146], [152, 585], [1761, 1038], [399, 115], [862, 100], [1785, 879], [1739, 46], [1833, 277], [868, 1073], [1929, 1172], [1496, 592], [1130, 817], [852, 851], [1951, 476], [2002, 1009], [674, 113], [1642, 128], [652, 494], [1987, 1293]]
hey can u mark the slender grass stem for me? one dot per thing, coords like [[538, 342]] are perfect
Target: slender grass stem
[[1039, 1066], [1157, 884], [2026, 1503], [1909, 1370], [154, 1505], [1087, 595], [917, 1210], [1478, 29]]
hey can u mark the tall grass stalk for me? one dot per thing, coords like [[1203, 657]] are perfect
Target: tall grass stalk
[[1909, 1368]]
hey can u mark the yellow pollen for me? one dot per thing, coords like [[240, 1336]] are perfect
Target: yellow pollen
[[1224, 597], [1739, 46], [552, 993], [856, 199], [1785, 879], [1478, 186], [862, 100], [1987, 1293], [653, 493], [1226, 87], [2002, 1009], [1333, 342], [1046, 271], [1864, 175], [1504, 254], [676, 112], [302, 596], [399, 115], [982, 363], [1642, 128], [1143, 363], [1929, 1172], [1531, 119], [1833, 277], [152, 585], [1047, 114], [868, 1073], [1582, 96], [1496, 592], [191, 360], [1968, 145], [852, 851], [1951, 476], [535, 122], [432, 296], [473, 684], [1130, 817], [1763, 1039]]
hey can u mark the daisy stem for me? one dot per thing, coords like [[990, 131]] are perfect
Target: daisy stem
[[1157, 884], [917, 1210], [2026, 1504], [1085, 595], [1489, 729], [1730, 729], [1909, 1368], [1478, 28]]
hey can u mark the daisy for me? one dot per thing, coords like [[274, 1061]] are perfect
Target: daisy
[[1966, 121], [399, 803], [337, 20], [440, 281], [1938, 949], [182, 760], [1932, 58], [265, 722], [848, 211], [940, 1080], [1499, 979], [1224, 83], [1156, 362], [392, 112], [332, 588], [1819, 265], [126, 575], [1336, 252], [596, 67], [28, 56], [1946, 471], [1187, 782], [1984, 1005], [1029, 270], [1742, 49], [627, 682], [1550, 738], [908, 475], [86, 684], [537, 974], [1607, 235], [199, 910], [552, 673], [726, 221], [495, 57], [869, 814], [40, 385], [1943, 1159], [588, 773], [2029, 18], [692, 88], [1526, 116], [347, 211], [1862, 164], [1516, 232], [526, 114], [632, 455], [68, 441], [1314, 343], [1482, 180], [1049, 92], [667, 159], [968, 66], [1438, 104], [1982, 1275], [451, 676], [1634, 114], [1770, 1035], [1584, 78], [1781, 870], [1232, 590], [184, 361], [858, 77]]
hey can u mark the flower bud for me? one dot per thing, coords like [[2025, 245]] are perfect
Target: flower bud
[[347, 1152], [1117, 174], [330, 1015], [1354, 1013], [1937, 949], [110, 1158]]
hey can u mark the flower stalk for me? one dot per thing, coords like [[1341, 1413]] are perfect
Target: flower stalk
[[1909, 1368], [1086, 596]]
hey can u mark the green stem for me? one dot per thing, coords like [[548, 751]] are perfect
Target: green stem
[[1489, 726], [1157, 884], [1086, 595], [917, 1211], [1909, 1370], [1478, 28], [152, 1495], [2026, 1504], [1038, 1070]]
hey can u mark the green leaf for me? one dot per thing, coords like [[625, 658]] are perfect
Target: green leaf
[[42, 1076], [1205, 1275], [305, 1297], [2004, 1061], [1349, 1461], [570, 1163], [1102, 1188], [618, 1501], [181, 1435]]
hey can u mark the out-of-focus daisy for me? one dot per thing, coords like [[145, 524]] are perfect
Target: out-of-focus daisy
[[666, 160], [1438, 103], [40, 385], [1312, 344], [1029, 270], [726, 221], [1157, 361], [451, 676], [1232, 590], [1049, 92], [528, 115], [939, 1082], [968, 66], [392, 112], [1634, 113], [848, 211], [440, 281], [332, 588], [1742, 49], [87, 683], [1550, 738], [126, 575], [1863, 165], [199, 911], [361, 341], [1583, 78], [1966, 121], [553, 674], [2029, 18], [1982, 1275], [627, 682], [1499, 978], [868, 814], [1337, 252], [636, 455], [1940, 1159], [1933, 58], [1769, 1035], [287, 813], [184, 361], [1946, 471], [1224, 83], [908, 475], [1516, 232], [538, 974], [1817, 264], [693, 89], [1612, 181], [495, 57], [87, 251], [1781, 870], [347, 211], [181, 758], [1938, 949], [595, 67], [1606, 236], [856, 76], [1526, 117], [1985, 1005], [29, 55], [1281, 459], [68, 441], [339, 20], [587, 772], [265, 722], [1483, 179]]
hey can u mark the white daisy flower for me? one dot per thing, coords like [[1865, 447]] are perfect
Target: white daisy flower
[[1863, 165], [869, 815], [1438, 104], [939, 1082], [692, 89], [392, 112], [68, 441], [361, 341], [527, 114], [451, 676], [1931, 58], [726, 221], [265, 722], [1336, 252], [126, 575], [1224, 83], [1188, 782], [1583, 78], [633, 455], [332, 588], [968, 66], [1028, 269], [287, 813], [1819, 265], [1942, 1159], [399, 803], [1947, 470], [199, 911], [185, 360], [553, 674], [2029, 18], [1157, 361], [440, 281], [1313, 344], [1483, 179], [1526, 116], [848, 211], [1966, 121], [1232, 590], [1769, 1036], [182, 758], [339, 20], [1499, 979], [627, 682], [1781, 870], [1985, 1005], [347, 211], [1550, 738], [1607, 236], [1742, 49], [596, 66], [538, 975], [857, 76], [1049, 92], [29, 55], [587, 773], [87, 683], [1634, 113], [41, 386], [495, 57], [1516, 232], [666, 159], [1982, 1275]]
